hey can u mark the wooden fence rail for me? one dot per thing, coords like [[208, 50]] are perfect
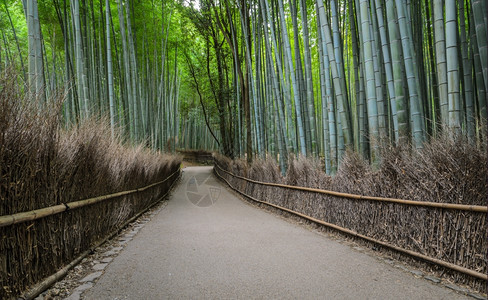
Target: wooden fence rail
[[476, 208]]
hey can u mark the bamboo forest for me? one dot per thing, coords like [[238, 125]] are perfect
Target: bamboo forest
[[258, 77], [365, 119]]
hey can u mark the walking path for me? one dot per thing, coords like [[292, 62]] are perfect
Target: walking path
[[208, 244]]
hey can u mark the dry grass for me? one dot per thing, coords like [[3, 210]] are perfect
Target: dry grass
[[448, 169], [42, 165]]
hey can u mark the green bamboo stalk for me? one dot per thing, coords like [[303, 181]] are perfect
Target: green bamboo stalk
[[299, 77], [378, 75], [278, 109], [127, 74], [16, 40], [413, 89], [279, 66], [83, 92], [308, 79], [397, 63], [370, 80], [134, 71], [360, 141], [296, 92], [479, 15], [478, 71], [110, 80], [326, 95], [35, 59], [342, 102], [440, 53], [452, 67]]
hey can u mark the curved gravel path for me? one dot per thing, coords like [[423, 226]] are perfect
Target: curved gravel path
[[208, 244]]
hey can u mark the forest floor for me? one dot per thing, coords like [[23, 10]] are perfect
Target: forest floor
[[207, 243]]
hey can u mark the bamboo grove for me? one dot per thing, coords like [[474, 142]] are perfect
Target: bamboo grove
[[259, 77]]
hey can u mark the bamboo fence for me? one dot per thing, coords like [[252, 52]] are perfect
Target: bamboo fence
[[445, 234], [36, 290], [41, 243], [56, 209]]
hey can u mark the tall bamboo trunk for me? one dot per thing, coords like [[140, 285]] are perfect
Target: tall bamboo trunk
[[296, 91], [440, 55], [83, 92], [342, 103], [308, 80], [110, 78], [370, 81], [452, 67], [479, 13], [397, 62], [266, 12], [35, 73]]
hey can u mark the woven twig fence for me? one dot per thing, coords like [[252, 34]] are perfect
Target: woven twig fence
[[450, 235], [37, 243]]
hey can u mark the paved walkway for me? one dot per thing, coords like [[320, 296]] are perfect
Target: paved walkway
[[208, 244]]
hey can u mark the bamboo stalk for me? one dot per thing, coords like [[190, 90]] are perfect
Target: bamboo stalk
[[353, 233], [32, 215], [475, 208]]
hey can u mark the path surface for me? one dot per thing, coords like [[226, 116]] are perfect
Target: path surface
[[208, 244]]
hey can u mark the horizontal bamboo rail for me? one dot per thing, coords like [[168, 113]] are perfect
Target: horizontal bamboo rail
[[32, 215], [353, 233], [475, 208]]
